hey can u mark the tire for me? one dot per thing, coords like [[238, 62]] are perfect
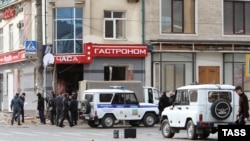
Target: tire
[[93, 124], [166, 129], [206, 133], [108, 121], [221, 109], [149, 120], [191, 130], [134, 123], [85, 107]]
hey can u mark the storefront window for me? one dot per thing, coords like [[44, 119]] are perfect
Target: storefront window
[[68, 30], [173, 71], [234, 70]]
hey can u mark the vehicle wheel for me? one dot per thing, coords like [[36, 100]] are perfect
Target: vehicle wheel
[[166, 129], [93, 124], [134, 123], [205, 134], [221, 109], [108, 121], [85, 107], [191, 131], [149, 120]]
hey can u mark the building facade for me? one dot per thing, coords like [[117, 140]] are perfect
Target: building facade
[[90, 40], [197, 41]]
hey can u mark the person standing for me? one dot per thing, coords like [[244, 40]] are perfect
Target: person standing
[[59, 108], [243, 114], [16, 105], [65, 111], [163, 102], [171, 97], [22, 108], [52, 108], [40, 108], [73, 109]]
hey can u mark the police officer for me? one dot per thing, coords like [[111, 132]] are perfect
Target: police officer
[[73, 109], [59, 108], [66, 111], [52, 108], [22, 108], [16, 105]]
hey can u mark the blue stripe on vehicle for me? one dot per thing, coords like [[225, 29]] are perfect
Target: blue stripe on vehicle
[[124, 106]]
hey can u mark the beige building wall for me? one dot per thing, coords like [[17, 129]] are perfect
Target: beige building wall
[[209, 22], [28, 18], [93, 11], [94, 20]]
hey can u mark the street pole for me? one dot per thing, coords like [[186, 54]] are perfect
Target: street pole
[[39, 37]]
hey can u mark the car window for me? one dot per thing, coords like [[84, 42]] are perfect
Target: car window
[[130, 98], [89, 97], [118, 98], [182, 98], [193, 95], [215, 95], [105, 97]]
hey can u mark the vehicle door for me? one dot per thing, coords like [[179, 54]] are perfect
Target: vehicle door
[[219, 105], [180, 109], [118, 105], [132, 109]]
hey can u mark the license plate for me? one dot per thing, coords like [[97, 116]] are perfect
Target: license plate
[[86, 117], [216, 124]]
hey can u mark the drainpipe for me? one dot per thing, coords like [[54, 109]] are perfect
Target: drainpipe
[[143, 21], [143, 36]]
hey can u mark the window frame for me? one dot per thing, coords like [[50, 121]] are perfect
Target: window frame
[[114, 20], [185, 29], [1, 39], [232, 30], [73, 20]]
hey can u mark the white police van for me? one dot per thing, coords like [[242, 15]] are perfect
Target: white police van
[[108, 107]]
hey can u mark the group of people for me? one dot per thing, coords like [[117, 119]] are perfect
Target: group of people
[[61, 107], [17, 105]]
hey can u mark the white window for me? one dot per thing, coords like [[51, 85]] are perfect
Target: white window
[[11, 37], [1, 40], [21, 33], [114, 25]]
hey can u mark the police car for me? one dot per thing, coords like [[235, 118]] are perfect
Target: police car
[[108, 107]]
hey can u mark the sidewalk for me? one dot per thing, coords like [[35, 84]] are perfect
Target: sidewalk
[[5, 118]]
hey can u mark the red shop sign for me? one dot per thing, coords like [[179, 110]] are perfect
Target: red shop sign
[[9, 13], [12, 57], [118, 50], [72, 59]]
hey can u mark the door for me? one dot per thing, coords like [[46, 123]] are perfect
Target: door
[[10, 88], [209, 74]]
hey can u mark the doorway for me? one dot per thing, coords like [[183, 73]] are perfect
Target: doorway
[[68, 76], [209, 75]]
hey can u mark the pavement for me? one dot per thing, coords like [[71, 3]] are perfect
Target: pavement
[[29, 119], [5, 118]]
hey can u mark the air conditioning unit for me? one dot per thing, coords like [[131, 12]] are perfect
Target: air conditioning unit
[[133, 1], [79, 1], [20, 25]]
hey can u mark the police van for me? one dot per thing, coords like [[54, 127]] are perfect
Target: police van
[[107, 107]]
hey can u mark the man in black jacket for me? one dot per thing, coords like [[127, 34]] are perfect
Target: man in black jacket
[[40, 108], [163, 102], [243, 114], [22, 108]]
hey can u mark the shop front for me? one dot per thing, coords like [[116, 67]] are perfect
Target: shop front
[[104, 62]]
